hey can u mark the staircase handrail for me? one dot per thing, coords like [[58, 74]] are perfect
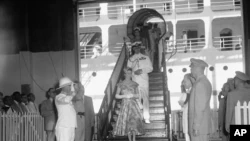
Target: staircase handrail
[[105, 112], [166, 93]]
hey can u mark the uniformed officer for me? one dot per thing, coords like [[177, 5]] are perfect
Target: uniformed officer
[[241, 93], [199, 112], [141, 66]]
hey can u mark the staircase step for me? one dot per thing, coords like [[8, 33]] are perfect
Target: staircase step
[[153, 85], [140, 138], [155, 133], [155, 78], [157, 117], [156, 92], [155, 74], [155, 125], [156, 103], [156, 110], [156, 88], [156, 97]]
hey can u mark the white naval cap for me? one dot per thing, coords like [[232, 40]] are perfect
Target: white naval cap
[[198, 62]]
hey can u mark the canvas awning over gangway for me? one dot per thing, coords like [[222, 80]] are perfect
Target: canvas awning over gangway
[[142, 16]]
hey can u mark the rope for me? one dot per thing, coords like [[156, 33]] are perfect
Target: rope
[[53, 64]]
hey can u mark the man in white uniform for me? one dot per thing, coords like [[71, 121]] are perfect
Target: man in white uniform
[[141, 66], [66, 123]]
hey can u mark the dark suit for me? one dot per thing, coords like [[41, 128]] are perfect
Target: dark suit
[[16, 107], [48, 111], [89, 118], [80, 110], [241, 94]]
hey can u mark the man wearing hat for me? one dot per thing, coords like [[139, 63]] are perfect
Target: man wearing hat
[[141, 66], [199, 116], [240, 93], [66, 123]]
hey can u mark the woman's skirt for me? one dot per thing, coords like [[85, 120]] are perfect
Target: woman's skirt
[[129, 119]]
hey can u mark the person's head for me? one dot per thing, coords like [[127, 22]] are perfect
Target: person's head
[[197, 67], [31, 97], [17, 96], [171, 33], [24, 98], [136, 49], [240, 79], [7, 100], [225, 89], [187, 82], [155, 25], [136, 32], [65, 85], [51, 93], [150, 25], [230, 82], [184, 32], [79, 87], [128, 73]]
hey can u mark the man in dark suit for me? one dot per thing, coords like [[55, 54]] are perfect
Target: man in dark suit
[[16, 96], [48, 111], [240, 93], [89, 118], [80, 110]]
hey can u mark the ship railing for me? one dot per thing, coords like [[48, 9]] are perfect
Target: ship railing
[[166, 7], [227, 43], [107, 109], [87, 51], [189, 45], [225, 5]]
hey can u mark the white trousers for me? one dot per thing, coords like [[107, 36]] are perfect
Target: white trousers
[[145, 98], [65, 134], [187, 138]]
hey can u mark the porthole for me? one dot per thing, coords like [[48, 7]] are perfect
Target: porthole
[[211, 68], [225, 68], [170, 70]]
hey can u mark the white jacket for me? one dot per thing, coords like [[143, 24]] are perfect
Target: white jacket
[[140, 61], [66, 111]]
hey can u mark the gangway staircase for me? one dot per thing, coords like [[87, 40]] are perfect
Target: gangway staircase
[[159, 100]]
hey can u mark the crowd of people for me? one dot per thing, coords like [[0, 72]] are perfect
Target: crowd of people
[[195, 102], [68, 113], [18, 103]]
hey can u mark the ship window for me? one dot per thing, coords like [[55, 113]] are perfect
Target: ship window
[[226, 39], [90, 45]]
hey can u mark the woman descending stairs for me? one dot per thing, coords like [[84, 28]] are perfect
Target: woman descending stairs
[[157, 129]]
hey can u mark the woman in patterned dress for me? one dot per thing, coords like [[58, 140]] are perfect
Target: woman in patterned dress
[[129, 121]]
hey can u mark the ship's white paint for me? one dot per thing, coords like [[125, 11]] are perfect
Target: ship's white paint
[[209, 22]]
